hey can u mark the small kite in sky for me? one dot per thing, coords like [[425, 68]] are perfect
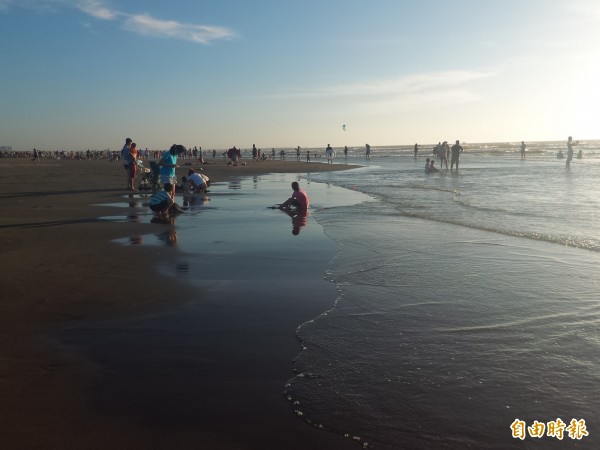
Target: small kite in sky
[[344, 127]]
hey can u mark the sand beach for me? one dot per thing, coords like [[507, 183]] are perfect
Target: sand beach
[[68, 380]]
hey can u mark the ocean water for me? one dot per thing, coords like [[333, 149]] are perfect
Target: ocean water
[[467, 300]]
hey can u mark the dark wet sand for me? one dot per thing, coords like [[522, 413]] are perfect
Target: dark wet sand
[[59, 268]]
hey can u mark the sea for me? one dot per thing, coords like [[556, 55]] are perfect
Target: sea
[[462, 307], [468, 306]]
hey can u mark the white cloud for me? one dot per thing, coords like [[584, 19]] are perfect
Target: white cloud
[[143, 24], [97, 9], [410, 86], [201, 34]]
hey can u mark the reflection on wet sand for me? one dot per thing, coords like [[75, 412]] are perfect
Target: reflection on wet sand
[[169, 237], [235, 184], [193, 201], [299, 219]]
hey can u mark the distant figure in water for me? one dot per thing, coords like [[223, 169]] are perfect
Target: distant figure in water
[[570, 145], [432, 168], [443, 155], [456, 150], [427, 165], [579, 154], [523, 147], [367, 151], [416, 149]]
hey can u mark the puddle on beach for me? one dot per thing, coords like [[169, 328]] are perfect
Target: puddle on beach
[[235, 217], [253, 281], [138, 211]]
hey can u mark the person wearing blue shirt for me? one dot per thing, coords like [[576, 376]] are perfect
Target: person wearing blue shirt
[[162, 202], [168, 163]]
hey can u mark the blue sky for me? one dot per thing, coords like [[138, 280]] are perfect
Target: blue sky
[[78, 74]]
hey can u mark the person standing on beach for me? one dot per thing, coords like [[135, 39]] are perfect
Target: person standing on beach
[[298, 153], [570, 145], [346, 151], [416, 149], [367, 151], [307, 156], [523, 147], [168, 163], [125, 151], [298, 200], [132, 162], [456, 150], [330, 154]]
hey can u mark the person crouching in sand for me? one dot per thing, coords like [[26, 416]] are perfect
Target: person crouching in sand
[[198, 182], [163, 202]]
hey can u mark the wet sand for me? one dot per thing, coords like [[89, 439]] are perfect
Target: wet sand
[[60, 268]]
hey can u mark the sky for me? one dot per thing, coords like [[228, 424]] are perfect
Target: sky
[[86, 74]]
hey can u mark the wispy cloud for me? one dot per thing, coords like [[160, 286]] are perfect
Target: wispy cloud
[[97, 9], [201, 34], [406, 86], [143, 24], [376, 97], [411, 84]]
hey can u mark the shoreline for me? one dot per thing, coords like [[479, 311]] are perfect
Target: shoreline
[[61, 269]]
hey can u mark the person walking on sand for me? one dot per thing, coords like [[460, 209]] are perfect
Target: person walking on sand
[[330, 154], [456, 150], [298, 200], [523, 147], [570, 145]]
